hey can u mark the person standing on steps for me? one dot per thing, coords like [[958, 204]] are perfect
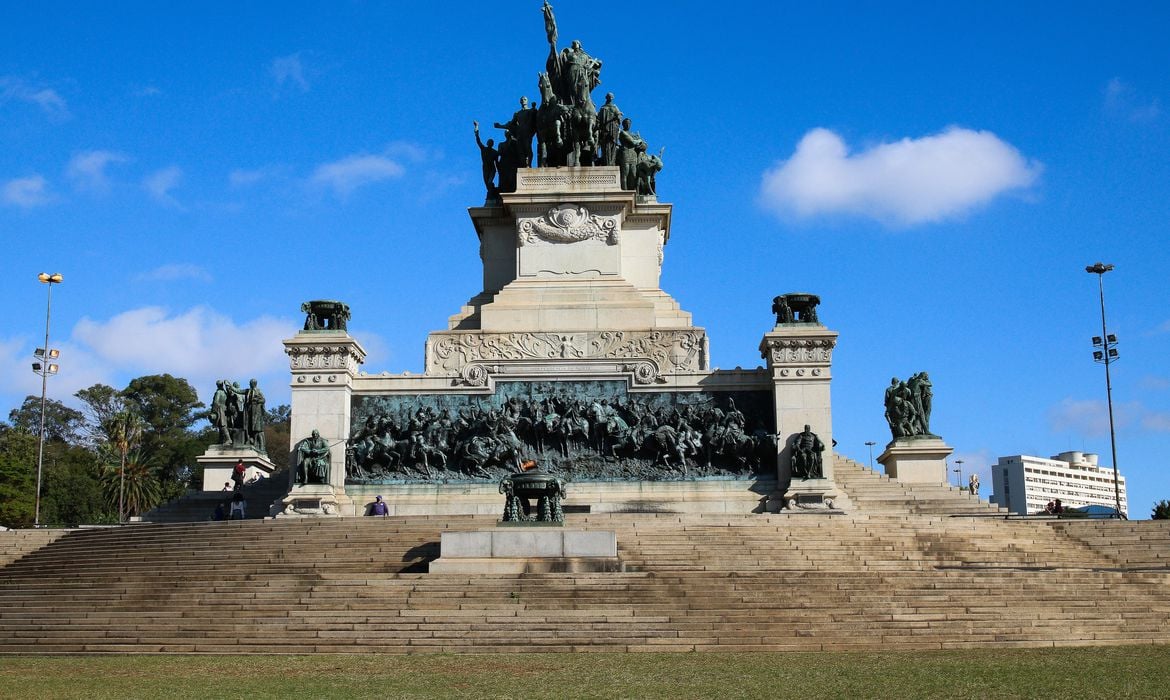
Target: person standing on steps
[[238, 505], [238, 472]]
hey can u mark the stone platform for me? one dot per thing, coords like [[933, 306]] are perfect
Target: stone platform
[[525, 549]]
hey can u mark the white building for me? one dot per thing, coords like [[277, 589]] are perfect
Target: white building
[[1025, 484]]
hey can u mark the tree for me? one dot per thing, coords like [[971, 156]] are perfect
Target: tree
[[276, 429], [71, 494], [62, 424], [1161, 511], [169, 407], [138, 486], [101, 403], [18, 477], [124, 432]]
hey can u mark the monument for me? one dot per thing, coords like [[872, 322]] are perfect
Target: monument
[[571, 354], [238, 417], [915, 454]]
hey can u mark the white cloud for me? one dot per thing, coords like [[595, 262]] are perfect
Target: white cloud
[[289, 69], [346, 175], [170, 273], [907, 182], [243, 177], [1153, 382], [199, 344], [413, 152], [88, 169], [1121, 99], [25, 192], [51, 103], [1090, 417], [160, 183], [1156, 422], [79, 369]]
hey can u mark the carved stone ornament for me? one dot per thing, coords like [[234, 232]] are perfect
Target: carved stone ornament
[[324, 357], [474, 375], [671, 351], [567, 223], [780, 351], [644, 372]]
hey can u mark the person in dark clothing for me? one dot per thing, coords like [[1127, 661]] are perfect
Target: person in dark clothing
[[238, 473], [379, 507]]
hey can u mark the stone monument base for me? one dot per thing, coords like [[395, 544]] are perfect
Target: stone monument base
[[526, 550], [920, 460], [812, 494], [705, 496], [312, 501], [219, 460]]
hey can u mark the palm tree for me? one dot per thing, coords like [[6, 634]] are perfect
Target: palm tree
[[133, 482], [124, 431]]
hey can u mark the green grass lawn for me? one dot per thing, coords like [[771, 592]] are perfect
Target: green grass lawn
[[1105, 672]]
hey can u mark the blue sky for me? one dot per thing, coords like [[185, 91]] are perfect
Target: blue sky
[[940, 175]]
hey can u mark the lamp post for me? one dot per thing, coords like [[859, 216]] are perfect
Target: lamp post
[[44, 368], [870, 444], [959, 471], [1107, 354]]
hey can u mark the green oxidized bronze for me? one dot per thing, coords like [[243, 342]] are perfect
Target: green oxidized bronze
[[578, 430], [569, 128], [521, 489], [908, 406], [325, 315], [796, 307]]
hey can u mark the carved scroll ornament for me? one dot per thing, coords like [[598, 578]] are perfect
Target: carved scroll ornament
[[568, 223]]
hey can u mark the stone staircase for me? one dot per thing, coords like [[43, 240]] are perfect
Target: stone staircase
[[727, 582], [14, 544], [871, 492], [196, 506]]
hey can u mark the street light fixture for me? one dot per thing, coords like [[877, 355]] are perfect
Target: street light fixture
[[1105, 354], [870, 444], [44, 369], [959, 471]]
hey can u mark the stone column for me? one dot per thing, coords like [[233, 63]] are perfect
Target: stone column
[[799, 357], [323, 365]]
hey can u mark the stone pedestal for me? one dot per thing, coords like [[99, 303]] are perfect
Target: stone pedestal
[[799, 357], [917, 460], [526, 549], [571, 268], [219, 461], [324, 364], [311, 500]]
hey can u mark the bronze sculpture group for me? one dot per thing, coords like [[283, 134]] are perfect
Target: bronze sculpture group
[[569, 129], [238, 415], [585, 437], [908, 405]]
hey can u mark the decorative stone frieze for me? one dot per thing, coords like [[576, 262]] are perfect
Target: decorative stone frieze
[[541, 180], [662, 351], [345, 357], [796, 350]]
